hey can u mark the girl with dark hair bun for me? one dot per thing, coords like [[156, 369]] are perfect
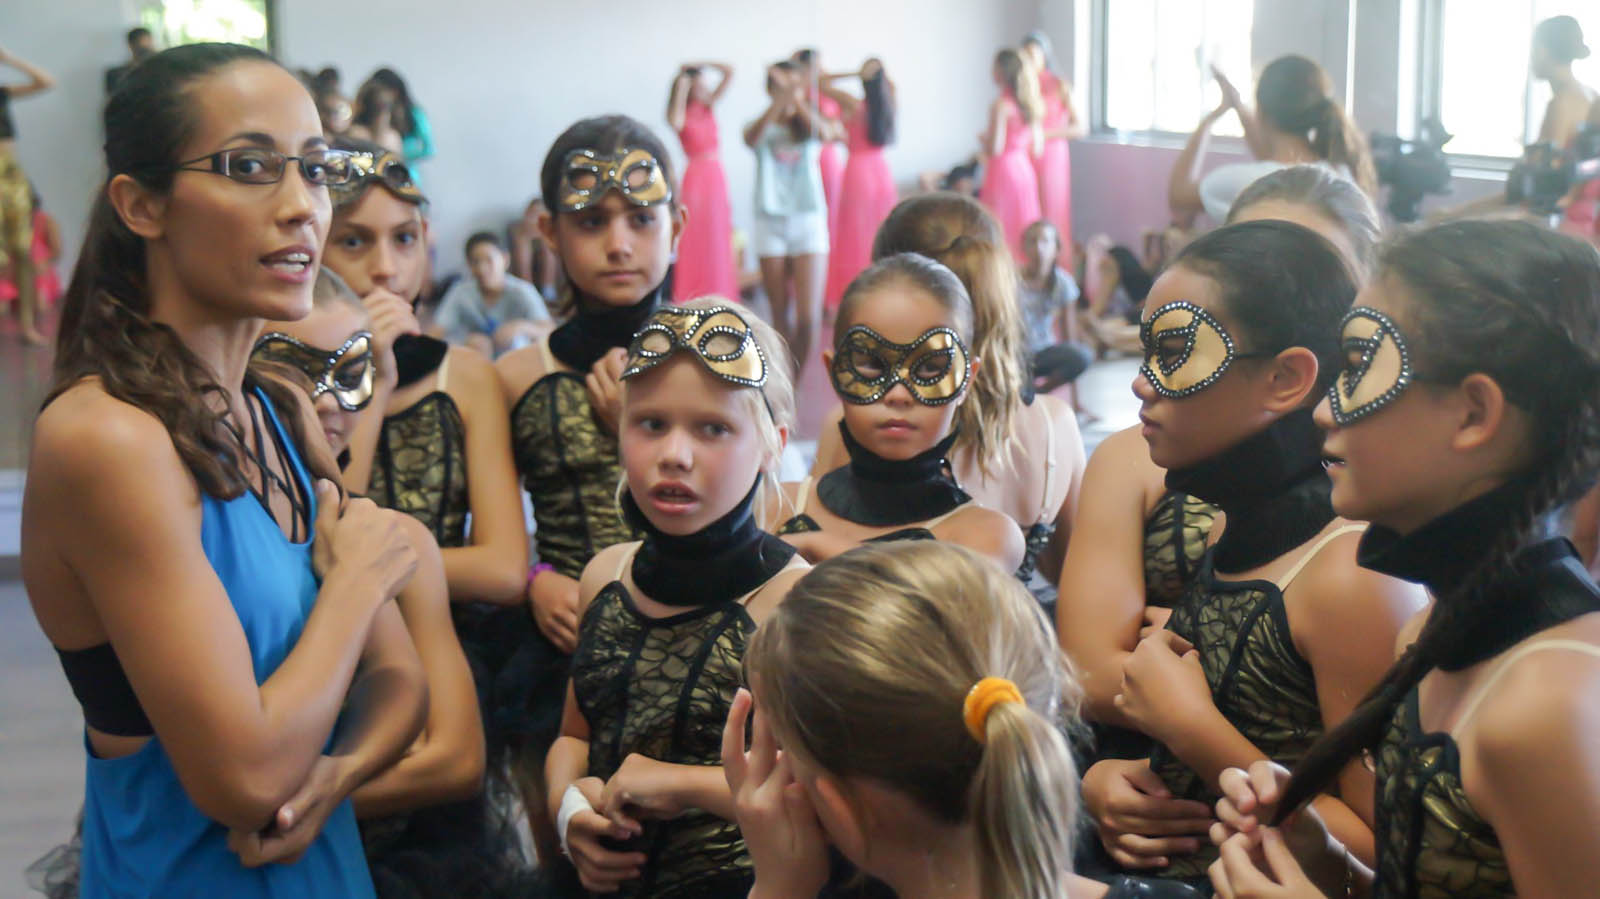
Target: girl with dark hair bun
[[868, 191], [223, 619], [1466, 412], [1558, 43], [706, 265], [614, 221], [1059, 125], [1278, 631], [1296, 119]]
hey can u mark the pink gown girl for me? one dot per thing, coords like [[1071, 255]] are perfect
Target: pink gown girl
[[832, 167], [1010, 186], [705, 263], [1054, 166], [865, 198]]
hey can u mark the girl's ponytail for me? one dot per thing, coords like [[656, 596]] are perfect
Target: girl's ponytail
[[1022, 806]]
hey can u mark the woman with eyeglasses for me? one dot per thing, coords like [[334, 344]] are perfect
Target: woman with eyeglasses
[[220, 610]]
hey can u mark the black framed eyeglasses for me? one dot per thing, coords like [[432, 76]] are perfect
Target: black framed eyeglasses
[[259, 165]]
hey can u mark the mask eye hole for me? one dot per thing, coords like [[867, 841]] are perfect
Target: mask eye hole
[[583, 179], [933, 366], [722, 346], [655, 342], [866, 364]]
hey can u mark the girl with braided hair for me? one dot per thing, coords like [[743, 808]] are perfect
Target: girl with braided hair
[[1468, 411]]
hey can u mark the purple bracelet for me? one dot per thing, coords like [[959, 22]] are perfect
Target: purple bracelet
[[537, 570]]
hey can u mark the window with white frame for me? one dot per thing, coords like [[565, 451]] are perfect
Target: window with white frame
[[1486, 95], [1157, 56], [177, 22]]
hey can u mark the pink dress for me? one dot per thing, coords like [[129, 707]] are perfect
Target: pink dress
[[1054, 167], [1010, 187], [865, 198], [705, 252], [46, 283], [832, 167]]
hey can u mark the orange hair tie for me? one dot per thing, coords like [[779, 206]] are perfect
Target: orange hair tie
[[981, 699]]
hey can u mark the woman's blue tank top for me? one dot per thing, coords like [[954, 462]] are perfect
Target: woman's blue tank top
[[142, 836]]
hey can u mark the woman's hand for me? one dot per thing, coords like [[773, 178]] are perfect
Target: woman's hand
[[1139, 823], [554, 599], [390, 316], [641, 788], [361, 540], [601, 870], [1267, 871], [777, 819], [1164, 689], [298, 821]]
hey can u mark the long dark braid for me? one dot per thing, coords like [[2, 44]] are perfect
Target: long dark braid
[[1521, 305]]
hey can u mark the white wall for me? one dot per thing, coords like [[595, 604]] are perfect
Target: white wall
[[500, 79]]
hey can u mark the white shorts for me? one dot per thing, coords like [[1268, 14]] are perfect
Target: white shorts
[[800, 234]]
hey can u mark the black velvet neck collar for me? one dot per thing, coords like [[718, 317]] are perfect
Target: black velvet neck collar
[[720, 563], [879, 492], [1545, 587], [595, 329], [1272, 487], [416, 356]]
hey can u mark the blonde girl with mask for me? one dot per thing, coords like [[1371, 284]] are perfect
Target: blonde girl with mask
[[640, 806]]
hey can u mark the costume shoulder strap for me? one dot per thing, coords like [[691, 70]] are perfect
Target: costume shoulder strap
[[1512, 657], [1319, 546]]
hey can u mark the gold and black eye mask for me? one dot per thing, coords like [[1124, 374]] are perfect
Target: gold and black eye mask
[[717, 336], [1186, 350], [586, 176], [386, 169], [346, 372], [1377, 367], [935, 367]]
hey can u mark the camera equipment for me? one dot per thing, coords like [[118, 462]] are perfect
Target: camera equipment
[[1546, 174], [1412, 169]]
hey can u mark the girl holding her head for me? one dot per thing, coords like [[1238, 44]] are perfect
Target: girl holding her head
[[1011, 140], [1279, 631], [1133, 566], [1015, 451], [224, 621], [791, 232], [807, 63], [1468, 410], [1296, 119], [902, 367], [705, 265], [946, 773], [641, 808]]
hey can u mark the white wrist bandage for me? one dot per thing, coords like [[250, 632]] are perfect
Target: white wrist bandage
[[572, 802]]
